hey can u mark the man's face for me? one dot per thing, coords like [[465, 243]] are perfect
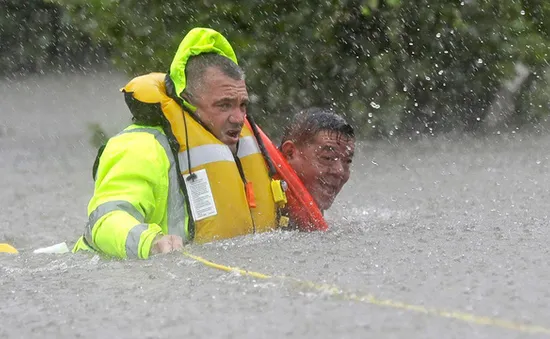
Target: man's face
[[323, 165], [221, 105]]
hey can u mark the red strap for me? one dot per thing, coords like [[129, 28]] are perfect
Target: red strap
[[302, 208]]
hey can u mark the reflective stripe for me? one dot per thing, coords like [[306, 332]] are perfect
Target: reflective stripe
[[176, 211], [117, 205], [132, 240], [104, 209], [247, 146], [205, 154]]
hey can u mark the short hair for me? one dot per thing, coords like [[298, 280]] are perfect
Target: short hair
[[197, 65], [306, 124]]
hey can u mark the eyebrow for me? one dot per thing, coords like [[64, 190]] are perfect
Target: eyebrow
[[230, 99], [332, 149], [328, 148], [224, 99]]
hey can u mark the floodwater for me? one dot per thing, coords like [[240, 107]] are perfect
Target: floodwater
[[455, 225]]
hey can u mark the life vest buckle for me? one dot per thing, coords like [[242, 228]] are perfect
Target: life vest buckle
[[278, 188], [284, 221]]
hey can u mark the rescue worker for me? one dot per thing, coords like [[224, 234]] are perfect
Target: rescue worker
[[189, 168], [319, 145]]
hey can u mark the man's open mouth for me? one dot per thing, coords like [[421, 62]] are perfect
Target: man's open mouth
[[233, 134], [329, 189]]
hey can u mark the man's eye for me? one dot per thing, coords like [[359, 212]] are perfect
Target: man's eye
[[224, 105], [327, 158]]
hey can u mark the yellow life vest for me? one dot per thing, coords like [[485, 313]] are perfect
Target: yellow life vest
[[237, 213]]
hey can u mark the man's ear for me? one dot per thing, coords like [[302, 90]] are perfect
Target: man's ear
[[288, 148]]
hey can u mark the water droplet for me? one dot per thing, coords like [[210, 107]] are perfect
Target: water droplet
[[405, 88], [480, 61], [438, 35], [522, 12], [440, 72], [478, 119], [351, 94], [374, 105], [370, 115]]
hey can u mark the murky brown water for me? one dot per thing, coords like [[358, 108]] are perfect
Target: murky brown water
[[455, 225]]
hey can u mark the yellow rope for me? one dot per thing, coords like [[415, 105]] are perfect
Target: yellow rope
[[370, 299], [226, 268]]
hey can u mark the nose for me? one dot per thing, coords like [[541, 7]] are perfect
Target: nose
[[237, 116], [338, 168]]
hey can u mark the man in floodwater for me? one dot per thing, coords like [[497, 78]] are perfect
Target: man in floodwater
[[319, 145], [188, 169]]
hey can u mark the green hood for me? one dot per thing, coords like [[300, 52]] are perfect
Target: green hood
[[197, 41]]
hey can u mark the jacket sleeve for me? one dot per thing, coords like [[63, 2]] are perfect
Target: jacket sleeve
[[131, 180]]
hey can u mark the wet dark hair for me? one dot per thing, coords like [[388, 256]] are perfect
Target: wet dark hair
[[306, 124], [197, 65]]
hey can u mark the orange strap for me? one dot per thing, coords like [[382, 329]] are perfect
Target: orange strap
[[249, 188]]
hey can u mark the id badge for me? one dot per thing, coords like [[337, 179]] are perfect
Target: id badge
[[200, 195]]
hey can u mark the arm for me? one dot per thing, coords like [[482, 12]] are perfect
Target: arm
[[131, 181]]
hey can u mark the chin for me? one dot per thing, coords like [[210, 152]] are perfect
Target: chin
[[326, 205], [229, 142], [322, 206]]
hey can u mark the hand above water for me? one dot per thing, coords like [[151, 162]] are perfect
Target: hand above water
[[166, 244]]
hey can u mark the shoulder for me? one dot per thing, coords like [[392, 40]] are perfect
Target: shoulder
[[138, 142]]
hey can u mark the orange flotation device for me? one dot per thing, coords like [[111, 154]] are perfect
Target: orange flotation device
[[302, 209]]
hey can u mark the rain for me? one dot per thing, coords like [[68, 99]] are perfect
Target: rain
[[442, 230]]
